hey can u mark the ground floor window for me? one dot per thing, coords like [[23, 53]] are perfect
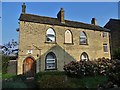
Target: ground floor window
[[105, 48], [84, 57], [51, 61]]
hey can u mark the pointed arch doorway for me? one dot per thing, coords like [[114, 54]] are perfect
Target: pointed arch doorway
[[29, 67]]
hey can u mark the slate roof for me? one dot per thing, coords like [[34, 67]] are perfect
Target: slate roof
[[55, 21], [113, 24]]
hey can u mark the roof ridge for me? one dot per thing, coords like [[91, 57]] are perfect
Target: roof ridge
[[65, 19], [51, 20]]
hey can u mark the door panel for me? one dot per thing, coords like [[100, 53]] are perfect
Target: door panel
[[29, 67]]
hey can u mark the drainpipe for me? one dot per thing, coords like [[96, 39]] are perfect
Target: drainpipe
[[39, 57]]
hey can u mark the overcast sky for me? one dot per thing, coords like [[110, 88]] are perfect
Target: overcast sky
[[78, 11]]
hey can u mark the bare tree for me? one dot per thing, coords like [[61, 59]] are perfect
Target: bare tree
[[10, 48]]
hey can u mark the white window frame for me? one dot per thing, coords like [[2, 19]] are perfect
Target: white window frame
[[70, 36], [105, 46], [83, 38], [86, 58], [29, 51], [50, 35], [49, 62], [104, 34]]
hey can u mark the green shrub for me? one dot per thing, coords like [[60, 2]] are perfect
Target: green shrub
[[13, 81], [79, 69], [101, 66], [116, 53], [40, 74], [13, 84], [5, 61], [89, 81], [60, 80], [114, 78], [6, 76], [52, 79], [49, 81]]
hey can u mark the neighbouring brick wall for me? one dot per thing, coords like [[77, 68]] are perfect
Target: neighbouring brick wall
[[12, 67], [114, 26]]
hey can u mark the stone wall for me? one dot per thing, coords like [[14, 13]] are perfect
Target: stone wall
[[33, 36]]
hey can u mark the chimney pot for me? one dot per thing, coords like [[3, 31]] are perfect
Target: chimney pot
[[23, 8], [60, 15], [93, 21]]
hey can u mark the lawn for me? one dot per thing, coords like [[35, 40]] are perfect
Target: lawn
[[6, 76]]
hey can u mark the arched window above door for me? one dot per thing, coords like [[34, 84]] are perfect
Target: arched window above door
[[51, 61]]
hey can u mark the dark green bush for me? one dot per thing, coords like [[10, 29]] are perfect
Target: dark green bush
[[13, 81], [49, 81], [19, 78], [82, 68], [40, 74], [116, 53], [5, 61], [13, 84], [100, 66], [114, 78], [52, 79]]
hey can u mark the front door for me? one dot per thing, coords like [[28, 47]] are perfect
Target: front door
[[29, 67]]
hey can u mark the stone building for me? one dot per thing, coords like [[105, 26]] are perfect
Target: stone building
[[114, 26], [47, 43]]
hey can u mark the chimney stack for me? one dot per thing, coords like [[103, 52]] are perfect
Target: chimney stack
[[93, 21], [23, 8], [60, 15]]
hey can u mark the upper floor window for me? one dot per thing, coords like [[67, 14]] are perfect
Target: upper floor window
[[29, 51], [68, 36], [104, 34], [50, 35], [84, 57], [83, 38], [105, 48]]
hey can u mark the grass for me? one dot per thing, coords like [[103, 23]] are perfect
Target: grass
[[6, 76]]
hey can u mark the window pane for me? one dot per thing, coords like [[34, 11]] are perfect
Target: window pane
[[50, 35], [68, 37], [104, 34], [83, 38], [50, 61], [83, 41], [84, 57], [50, 65], [105, 47]]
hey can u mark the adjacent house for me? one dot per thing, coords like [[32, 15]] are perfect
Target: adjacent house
[[114, 26], [47, 43]]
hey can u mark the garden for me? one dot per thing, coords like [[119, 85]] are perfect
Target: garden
[[98, 74]]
